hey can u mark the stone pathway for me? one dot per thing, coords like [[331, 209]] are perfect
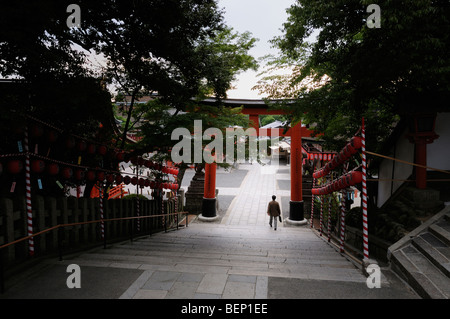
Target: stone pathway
[[239, 257]]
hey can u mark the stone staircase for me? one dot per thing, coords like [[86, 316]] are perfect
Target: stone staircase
[[422, 258]]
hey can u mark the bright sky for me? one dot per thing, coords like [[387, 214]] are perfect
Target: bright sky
[[264, 19]]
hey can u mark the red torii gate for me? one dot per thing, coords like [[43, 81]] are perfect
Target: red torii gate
[[254, 108]]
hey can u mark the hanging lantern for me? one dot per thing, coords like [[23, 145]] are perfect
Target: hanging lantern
[[37, 166], [355, 178], [147, 183], [90, 176], [119, 179], [148, 164], [120, 156], [52, 136], [100, 176], [80, 174], [141, 182], [91, 148], [127, 180], [152, 184], [70, 142], [36, 130], [53, 169], [15, 166], [356, 142], [110, 178], [134, 180], [102, 149], [81, 146], [67, 172]]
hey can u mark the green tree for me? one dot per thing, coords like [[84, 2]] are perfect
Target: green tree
[[354, 71]]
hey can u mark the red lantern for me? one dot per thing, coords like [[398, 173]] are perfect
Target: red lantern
[[102, 150], [119, 179], [91, 149], [152, 184], [355, 178], [81, 146], [53, 169], [134, 180], [141, 182], [80, 174], [350, 149], [147, 183], [120, 156], [148, 164], [100, 176], [90, 176], [70, 142], [52, 136], [315, 191], [37, 166], [356, 142], [15, 166], [127, 180], [67, 172], [110, 178], [36, 130]]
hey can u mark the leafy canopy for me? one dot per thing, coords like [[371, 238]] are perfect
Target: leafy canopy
[[379, 73]]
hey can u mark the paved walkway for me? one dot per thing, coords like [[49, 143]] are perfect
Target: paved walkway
[[239, 257]]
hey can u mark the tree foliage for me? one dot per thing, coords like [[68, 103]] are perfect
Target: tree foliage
[[379, 73]]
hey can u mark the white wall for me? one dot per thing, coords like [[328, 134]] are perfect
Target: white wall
[[438, 156], [438, 153], [403, 150]]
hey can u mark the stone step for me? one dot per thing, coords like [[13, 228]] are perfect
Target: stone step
[[420, 273], [427, 244], [440, 233]]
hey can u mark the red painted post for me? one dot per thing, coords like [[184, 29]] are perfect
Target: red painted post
[[296, 205], [421, 159], [209, 196]]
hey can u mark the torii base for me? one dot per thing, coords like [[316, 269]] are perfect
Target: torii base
[[296, 214], [209, 212]]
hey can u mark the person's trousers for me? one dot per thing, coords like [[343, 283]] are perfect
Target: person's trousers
[[274, 221]]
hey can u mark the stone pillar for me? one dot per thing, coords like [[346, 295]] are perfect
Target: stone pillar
[[296, 205]]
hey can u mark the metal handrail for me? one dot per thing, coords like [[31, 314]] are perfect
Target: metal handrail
[[85, 223], [60, 226]]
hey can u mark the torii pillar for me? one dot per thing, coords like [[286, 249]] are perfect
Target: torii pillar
[[209, 212], [296, 204]]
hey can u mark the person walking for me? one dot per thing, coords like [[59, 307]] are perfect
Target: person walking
[[274, 211]]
